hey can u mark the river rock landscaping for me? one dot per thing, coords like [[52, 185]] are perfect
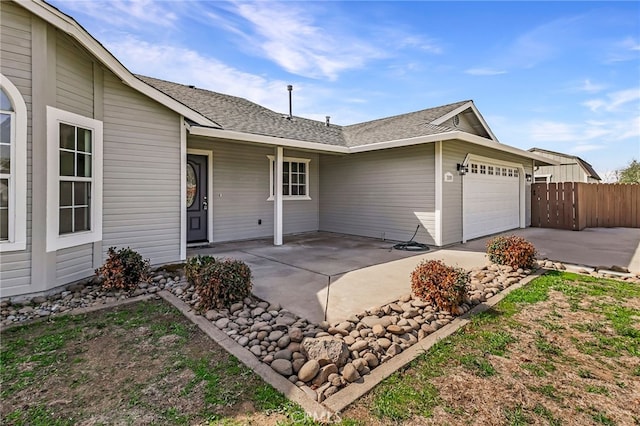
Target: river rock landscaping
[[319, 358]]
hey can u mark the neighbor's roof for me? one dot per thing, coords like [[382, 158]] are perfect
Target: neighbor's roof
[[588, 168], [238, 114]]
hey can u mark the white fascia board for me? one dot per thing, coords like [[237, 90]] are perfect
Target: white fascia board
[[462, 108], [314, 146], [75, 30], [268, 140]]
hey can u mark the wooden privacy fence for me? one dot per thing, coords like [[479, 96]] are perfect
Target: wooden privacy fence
[[576, 205]]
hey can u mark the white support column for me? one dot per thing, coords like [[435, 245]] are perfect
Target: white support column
[[277, 198], [183, 189], [438, 193]]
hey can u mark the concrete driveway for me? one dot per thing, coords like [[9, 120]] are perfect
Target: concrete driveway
[[321, 275], [590, 247]]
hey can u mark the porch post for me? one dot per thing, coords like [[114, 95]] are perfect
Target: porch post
[[277, 199]]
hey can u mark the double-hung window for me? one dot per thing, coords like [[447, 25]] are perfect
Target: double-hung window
[[295, 178], [74, 191], [13, 168]]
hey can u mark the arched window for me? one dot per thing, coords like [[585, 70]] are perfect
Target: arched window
[[13, 168]]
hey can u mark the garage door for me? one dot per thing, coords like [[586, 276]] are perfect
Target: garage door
[[491, 201]]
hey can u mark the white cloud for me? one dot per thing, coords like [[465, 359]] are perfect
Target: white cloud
[[588, 86], [127, 13], [586, 148], [289, 36], [190, 67], [586, 133], [484, 71], [614, 100]]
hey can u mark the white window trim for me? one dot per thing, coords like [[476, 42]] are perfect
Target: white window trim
[[306, 161], [54, 240], [18, 182], [546, 177]]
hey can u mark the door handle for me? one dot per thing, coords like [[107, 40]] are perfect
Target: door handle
[[205, 204]]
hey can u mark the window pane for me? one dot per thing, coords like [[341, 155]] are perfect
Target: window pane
[[84, 140], [84, 165], [66, 194], [5, 128], [81, 191], [81, 219], [66, 221], [285, 177], [294, 167], [294, 178], [294, 190], [4, 193], [4, 224], [66, 163], [301, 167], [67, 136], [5, 158], [285, 167], [285, 189], [302, 179], [302, 190], [5, 103]]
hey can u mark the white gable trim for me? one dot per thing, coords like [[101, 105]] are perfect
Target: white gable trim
[[75, 30], [462, 108]]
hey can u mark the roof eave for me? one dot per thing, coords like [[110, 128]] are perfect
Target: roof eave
[[59, 20], [460, 109], [264, 139]]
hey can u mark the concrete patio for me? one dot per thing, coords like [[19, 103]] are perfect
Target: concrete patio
[[329, 276], [322, 275]]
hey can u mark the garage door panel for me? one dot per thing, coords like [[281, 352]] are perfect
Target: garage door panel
[[491, 202]]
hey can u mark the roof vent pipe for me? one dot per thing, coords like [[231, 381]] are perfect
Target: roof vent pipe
[[328, 118], [290, 89]]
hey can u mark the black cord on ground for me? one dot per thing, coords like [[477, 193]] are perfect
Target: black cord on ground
[[412, 245]]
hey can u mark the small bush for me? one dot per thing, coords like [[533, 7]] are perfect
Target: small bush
[[511, 250], [194, 266], [218, 283], [442, 285], [123, 270]]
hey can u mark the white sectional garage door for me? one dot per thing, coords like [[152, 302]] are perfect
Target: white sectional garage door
[[491, 201]]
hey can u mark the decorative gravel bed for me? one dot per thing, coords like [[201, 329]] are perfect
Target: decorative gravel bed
[[319, 358]]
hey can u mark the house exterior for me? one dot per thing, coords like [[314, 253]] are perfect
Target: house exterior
[[570, 168], [94, 157]]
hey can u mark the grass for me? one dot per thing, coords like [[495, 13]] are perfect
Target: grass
[[140, 361], [524, 336]]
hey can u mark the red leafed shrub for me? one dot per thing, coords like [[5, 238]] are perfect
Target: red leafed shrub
[[442, 285], [123, 270], [218, 283], [511, 250]]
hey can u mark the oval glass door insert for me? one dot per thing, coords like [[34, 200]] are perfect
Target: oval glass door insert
[[192, 185]]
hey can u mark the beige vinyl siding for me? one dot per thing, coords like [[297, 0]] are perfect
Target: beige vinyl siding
[[241, 189], [380, 194], [454, 152], [568, 171], [463, 124], [74, 78], [15, 64], [141, 180]]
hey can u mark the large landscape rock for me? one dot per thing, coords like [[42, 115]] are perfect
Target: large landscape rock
[[325, 348]]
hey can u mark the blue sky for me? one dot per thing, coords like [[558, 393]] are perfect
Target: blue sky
[[563, 76]]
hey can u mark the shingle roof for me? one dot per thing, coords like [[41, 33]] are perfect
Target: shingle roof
[[586, 166], [238, 114]]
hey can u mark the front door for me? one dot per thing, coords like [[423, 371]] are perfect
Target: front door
[[197, 203]]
